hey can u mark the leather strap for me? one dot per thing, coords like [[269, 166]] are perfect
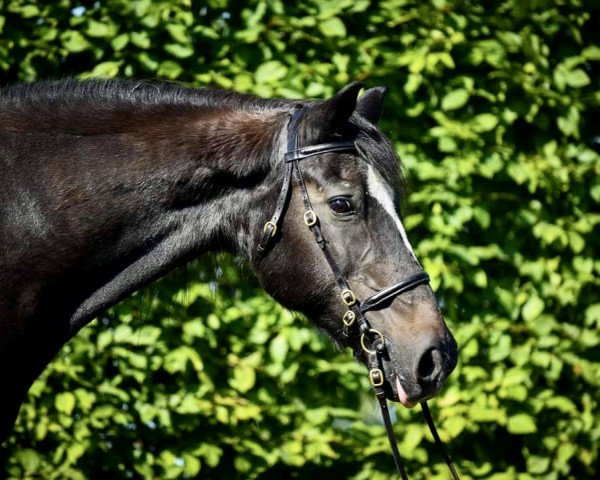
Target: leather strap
[[374, 364], [438, 440], [270, 228], [306, 152], [360, 321], [383, 296]]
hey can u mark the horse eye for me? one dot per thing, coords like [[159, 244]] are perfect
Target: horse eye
[[341, 206]]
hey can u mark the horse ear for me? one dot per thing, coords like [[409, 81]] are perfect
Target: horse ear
[[370, 105], [327, 117]]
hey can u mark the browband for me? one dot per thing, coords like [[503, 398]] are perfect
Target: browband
[[305, 152]]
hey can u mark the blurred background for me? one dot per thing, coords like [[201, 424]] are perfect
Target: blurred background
[[494, 109]]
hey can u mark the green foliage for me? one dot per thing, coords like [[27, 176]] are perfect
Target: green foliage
[[494, 110]]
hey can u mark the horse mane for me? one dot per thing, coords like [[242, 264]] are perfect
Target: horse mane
[[92, 107], [114, 106], [118, 92]]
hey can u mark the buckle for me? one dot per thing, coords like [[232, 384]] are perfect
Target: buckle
[[348, 297], [349, 318], [376, 377], [310, 218], [272, 226]]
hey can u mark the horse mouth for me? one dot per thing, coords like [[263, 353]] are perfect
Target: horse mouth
[[395, 392], [399, 394]]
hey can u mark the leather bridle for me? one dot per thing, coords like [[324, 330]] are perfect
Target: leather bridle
[[354, 322]]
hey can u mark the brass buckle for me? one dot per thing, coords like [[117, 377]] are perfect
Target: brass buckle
[[349, 318], [362, 340], [376, 372], [310, 218], [271, 225], [348, 297]]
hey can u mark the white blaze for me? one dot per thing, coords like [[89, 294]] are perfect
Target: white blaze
[[381, 192]]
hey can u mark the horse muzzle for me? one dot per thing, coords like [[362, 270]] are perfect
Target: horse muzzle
[[417, 373]]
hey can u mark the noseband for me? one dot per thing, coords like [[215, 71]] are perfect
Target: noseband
[[354, 322]]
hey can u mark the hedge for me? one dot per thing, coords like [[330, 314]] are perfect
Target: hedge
[[493, 107]]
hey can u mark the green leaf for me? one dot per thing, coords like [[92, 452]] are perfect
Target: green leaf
[[25, 10], [278, 349], [577, 78], [179, 33], [106, 69], [479, 413], [140, 39], [191, 466], [333, 27], [501, 349], [565, 452], [270, 72], [569, 123], [74, 452], [99, 29], [592, 315], [455, 425], [146, 335], [521, 424], [177, 360], [120, 41], [243, 379], [211, 454], [537, 464], [123, 334], [413, 83], [29, 459], [484, 122], [247, 412], [532, 308], [179, 51], [104, 339], [170, 69], [447, 144], [141, 7], [455, 99], [65, 402], [74, 41]]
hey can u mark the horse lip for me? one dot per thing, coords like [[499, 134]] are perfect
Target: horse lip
[[401, 395]]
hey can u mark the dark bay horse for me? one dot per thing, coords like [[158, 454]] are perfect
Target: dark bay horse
[[107, 185]]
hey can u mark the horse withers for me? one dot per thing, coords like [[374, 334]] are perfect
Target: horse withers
[[107, 185]]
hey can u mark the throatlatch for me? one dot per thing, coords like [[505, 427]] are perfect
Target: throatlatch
[[371, 340]]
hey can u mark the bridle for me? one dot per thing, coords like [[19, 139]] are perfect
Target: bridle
[[354, 322]]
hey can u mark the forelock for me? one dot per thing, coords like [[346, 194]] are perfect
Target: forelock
[[378, 151]]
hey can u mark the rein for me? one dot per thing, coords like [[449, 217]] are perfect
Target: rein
[[371, 340]]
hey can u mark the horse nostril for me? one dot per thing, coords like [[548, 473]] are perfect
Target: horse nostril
[[430, 365]]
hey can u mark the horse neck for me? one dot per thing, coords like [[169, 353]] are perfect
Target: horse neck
[[202, 176], [97, 205], [209, 169], [133, 203]]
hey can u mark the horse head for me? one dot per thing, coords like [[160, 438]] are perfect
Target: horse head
[[347, 190]]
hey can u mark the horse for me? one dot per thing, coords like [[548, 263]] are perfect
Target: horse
[[107, 185]]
